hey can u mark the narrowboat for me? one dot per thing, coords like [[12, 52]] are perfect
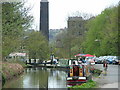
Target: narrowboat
[[78, 74]]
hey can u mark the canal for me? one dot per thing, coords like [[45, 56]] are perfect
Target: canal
[[39, 77]]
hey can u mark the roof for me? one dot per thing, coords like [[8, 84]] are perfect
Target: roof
[[75, 18], [44, 0], [17, 54]]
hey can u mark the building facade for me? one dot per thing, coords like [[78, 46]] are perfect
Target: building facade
[[76, 25], [76, 32]]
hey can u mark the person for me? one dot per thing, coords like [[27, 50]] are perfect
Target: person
[[105, 65], [52, 57], [83, 60], [73, 63], [80, 62], [87, 65], [80, 58], [45, 63], [87, 61], [55, 61]]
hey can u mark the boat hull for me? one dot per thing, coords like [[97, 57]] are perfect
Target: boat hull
[[76, 80]]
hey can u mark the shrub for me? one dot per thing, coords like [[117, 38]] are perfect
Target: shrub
[[3, 80]]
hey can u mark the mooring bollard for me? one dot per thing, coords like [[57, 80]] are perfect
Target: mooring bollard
[[37, 61], [45, 63], [27, 60], [32, 60]]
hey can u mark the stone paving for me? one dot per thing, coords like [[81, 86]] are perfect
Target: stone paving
[[109, 78], [112, 85]]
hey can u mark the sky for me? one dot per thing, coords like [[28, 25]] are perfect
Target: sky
[[59, 10]]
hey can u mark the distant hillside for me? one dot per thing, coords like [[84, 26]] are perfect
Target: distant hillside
[[53, 33]]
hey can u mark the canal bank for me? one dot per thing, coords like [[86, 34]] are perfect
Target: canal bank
[[10, 70]]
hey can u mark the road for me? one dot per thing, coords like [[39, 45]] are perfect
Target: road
[[108, 79]]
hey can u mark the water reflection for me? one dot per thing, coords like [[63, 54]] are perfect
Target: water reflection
[[57, 79], [39, 78]]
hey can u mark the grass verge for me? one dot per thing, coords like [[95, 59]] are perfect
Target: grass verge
[[89, 84]]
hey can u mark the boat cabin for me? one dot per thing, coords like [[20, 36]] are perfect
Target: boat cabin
[[78, 73]]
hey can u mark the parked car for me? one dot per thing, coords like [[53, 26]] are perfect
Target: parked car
[[109, 59], [96, 60], [116, 59], [100, 60], [112, 59]]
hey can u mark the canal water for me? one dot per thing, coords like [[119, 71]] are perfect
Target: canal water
[[39, 78]]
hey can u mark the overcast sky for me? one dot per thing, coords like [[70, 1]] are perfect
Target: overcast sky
[[59, 10]]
